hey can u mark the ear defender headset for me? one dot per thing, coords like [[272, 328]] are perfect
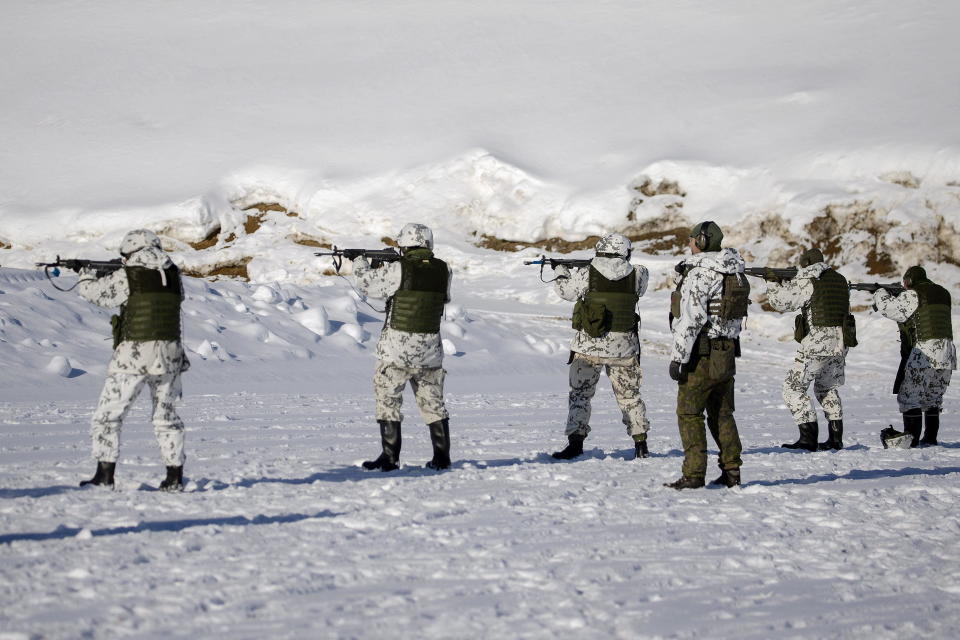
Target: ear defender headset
[[703, 237]]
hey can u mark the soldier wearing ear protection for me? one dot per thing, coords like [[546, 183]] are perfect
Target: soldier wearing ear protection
[[707, 310], [824, 329], [923, 313]]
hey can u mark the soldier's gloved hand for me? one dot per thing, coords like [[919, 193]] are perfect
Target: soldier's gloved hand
[[680, 267], [675, 368], [562, 271], [771, 276]]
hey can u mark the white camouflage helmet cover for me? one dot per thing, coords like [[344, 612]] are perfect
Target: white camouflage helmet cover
[[614, 244], [415, 235], [138, 239]]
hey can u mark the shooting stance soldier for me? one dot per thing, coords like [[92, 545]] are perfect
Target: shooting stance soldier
[[416, 288], [824, 328], [928, 355], [606, 291], [147, 351], [706, 312]]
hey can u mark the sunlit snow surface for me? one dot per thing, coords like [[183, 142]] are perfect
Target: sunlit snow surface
[[523, 121], [281, 534]]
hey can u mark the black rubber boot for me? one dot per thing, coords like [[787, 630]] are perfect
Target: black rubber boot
[[807, 439], [103, 475], [913, 424], [573, 449], [640, 450], [834, 436], [685, 482], [174, 480], [931, 418], [440, 438], [728, 478], [390, 440]]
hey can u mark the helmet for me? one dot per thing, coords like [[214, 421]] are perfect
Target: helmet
[[914, 275], [415, 235], [810, 256], [614, 244], [138, 239], [707, 235]]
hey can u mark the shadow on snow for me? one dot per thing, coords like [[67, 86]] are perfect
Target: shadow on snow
[[857, 474], [173, 526]]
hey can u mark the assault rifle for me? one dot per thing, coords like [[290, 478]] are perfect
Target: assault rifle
[[892, 288], [376, 256], [556, 262], [768, 273], [100, 268]]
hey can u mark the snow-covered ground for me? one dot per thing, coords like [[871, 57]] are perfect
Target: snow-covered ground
[[494, 123]]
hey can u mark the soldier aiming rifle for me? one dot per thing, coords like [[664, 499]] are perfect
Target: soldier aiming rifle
[[922, 311]]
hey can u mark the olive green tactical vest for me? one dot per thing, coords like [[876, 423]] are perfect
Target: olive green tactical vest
[[417, 306], [152, 311], [830, 303], [732, 303], [734, 298], [618, 297], [931, 320]]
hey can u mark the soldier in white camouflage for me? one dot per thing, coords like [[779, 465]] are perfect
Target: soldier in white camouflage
[[822, 296], [148, 353], [606, 293], [923, 313], [409, 350], [706, 315]]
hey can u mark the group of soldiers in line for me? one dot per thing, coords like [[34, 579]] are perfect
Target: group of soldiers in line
[[707, 311]]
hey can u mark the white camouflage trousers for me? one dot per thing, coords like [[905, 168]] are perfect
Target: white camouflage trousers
[[426, 382], [923, 388], [120, 390], [826, 375], [625, 377]]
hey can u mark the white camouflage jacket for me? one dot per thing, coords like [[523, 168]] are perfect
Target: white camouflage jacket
[[150, 357], [701, 284], [401, 348], [933, 354], [821, 342], [573, 284]]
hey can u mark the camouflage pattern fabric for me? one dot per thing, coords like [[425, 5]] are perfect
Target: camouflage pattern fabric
[[703, 281], [402, 348], [923, 388], [614, 244], [625, 378], [821, 356], [427, 384], [151, 357], [709, 388], [826, 374], [934, 354], [573, 284], [415, 235], [156, 364], [794, 295], [930, 363], [119, 392]]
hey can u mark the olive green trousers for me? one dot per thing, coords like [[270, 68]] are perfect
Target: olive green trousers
[[708, 387]]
